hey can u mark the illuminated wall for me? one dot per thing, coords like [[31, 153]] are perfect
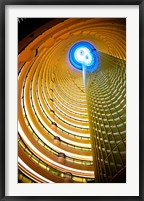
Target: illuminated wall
[[106, 95], [60, 127]]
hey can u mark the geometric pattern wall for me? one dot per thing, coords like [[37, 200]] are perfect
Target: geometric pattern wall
[[106, 95]]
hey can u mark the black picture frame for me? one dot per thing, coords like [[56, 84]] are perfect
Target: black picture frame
[[3, 3]]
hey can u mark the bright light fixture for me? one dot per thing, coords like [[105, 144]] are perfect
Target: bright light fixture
[[83, 54]]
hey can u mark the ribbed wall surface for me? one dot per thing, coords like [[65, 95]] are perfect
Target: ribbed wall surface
[[54, 135], [106, 94]]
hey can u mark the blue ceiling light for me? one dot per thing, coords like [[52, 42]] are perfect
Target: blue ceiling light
[[83, 54]]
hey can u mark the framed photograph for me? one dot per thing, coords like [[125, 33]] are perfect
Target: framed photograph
[[71, 100]]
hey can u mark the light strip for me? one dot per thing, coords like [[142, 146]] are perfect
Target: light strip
[[46, 158], [53, 146], [32, 171], [83, 145]]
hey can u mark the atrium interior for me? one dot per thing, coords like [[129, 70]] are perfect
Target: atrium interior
[[72, 121]]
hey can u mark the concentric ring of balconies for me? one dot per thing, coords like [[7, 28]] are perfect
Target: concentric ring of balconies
[[27, 94]]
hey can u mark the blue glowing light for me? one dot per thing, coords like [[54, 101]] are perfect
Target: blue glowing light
[[84, 54]]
